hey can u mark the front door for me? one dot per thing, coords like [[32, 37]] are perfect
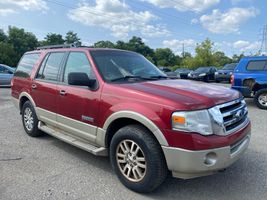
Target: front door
[[78, 105]]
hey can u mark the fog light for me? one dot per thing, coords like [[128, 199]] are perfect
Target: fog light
[[210, 159]]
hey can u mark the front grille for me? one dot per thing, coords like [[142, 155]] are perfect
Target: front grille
[[235, 115]]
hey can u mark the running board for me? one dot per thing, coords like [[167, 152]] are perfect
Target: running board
[[61, 135]]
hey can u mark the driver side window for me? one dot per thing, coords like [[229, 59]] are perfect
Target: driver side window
[[78, 62]]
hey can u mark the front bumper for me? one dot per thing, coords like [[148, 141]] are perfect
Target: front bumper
[[188, 164]]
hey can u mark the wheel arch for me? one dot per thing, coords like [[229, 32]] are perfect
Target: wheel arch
[[23, 97], [123, 118]]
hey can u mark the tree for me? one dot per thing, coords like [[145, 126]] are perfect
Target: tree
[[165, 57], [72, 38], [7, 54], [53, 39], [104, 44], [221, 59], [236, 58], [21, 42], [3, 36]]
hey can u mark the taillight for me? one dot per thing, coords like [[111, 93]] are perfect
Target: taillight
[[12, 81], [232, 79]]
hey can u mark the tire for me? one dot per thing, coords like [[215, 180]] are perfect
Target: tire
[[217, 81], [29, 115], [260, 99], [150, 155], [206, 79]]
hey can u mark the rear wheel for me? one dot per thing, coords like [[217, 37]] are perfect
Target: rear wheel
[[30, 120], [261, 99], [137, 159]]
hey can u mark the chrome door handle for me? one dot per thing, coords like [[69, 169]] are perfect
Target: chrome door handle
[[62, 92], [34, 86]]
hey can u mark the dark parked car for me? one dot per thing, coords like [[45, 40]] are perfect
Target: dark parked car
[[6, 75], [225, 73], [171, 74], [203, 74], [250, 78], [183, 72]]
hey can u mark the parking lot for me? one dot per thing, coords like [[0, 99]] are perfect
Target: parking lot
[[46, 168]]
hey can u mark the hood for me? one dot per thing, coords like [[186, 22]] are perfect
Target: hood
[[184, 94]]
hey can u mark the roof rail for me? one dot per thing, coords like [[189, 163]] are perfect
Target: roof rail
[[57, 46]]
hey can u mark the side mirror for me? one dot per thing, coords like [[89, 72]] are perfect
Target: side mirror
[[80, 79]]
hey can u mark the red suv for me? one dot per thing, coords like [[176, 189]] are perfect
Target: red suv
[[116, 103]]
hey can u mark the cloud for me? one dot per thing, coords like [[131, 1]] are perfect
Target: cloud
[[177, 45], [229, 21], [6, 11], [118, 18], [184, 5], [246, 46], [12, 6]]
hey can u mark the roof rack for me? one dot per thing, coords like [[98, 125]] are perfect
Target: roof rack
[[58, 46]]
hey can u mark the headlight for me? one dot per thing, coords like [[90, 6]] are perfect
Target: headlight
[[204, 122], [203, 74], [216, 73], [231, 73], [193, 121]]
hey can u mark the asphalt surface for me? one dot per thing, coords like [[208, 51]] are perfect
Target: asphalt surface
[[46, 168]]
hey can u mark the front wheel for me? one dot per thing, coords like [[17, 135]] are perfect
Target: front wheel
[[137, 159], [260, 99]]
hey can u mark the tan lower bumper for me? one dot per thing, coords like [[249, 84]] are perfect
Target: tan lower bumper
[[188, 164]]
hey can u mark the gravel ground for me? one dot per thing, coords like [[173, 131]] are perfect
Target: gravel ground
[[46, 168]]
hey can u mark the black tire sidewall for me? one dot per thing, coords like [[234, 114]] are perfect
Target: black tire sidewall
[[35, 131]]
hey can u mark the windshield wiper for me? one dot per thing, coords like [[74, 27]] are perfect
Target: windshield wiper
[[126, 78], [158, 77]]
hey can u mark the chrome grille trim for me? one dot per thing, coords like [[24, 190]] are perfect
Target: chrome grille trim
[[234, 114]]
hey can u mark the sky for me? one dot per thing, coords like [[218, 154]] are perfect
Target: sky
[[235, 26]]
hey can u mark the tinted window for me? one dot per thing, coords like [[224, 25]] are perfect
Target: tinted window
[[78, 62], [257, 65], [230, 66], [41, 70], [26, 64], [52, 66]]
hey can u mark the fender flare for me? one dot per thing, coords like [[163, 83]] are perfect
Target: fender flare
[[25, 94], [141, 119]]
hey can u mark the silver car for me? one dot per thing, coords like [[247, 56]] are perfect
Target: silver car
[[6, 74]]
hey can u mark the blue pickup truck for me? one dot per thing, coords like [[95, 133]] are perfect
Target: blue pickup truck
[[250, 78]]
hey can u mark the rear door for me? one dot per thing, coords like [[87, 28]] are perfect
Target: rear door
[[44, 87], [78, 105]]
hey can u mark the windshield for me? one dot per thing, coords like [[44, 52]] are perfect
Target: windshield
[[9, 68], [202, 69], [115, 65], [230, 66]]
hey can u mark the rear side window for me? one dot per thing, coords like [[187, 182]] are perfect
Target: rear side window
[[50, 67], [26, 65], [257, 65]]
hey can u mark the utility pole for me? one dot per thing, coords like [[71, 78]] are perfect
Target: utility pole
[[263, 40], [183, 51]]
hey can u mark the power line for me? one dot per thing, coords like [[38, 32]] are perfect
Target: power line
[[263, 40]]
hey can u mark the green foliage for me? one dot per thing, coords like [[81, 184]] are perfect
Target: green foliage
[[104, 44], [72, 38], [165, 57], [7, 54], [52, 39]]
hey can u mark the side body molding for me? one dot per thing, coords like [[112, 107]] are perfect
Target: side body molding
[[137, 117]]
